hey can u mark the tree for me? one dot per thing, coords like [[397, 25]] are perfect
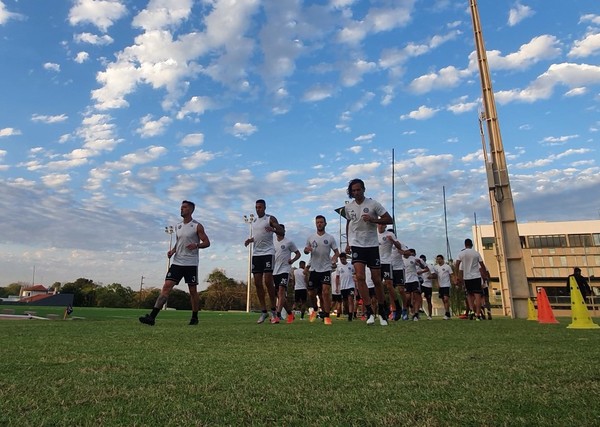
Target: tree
[[114, 295], [224, 293], [12, 289], [83, 290]]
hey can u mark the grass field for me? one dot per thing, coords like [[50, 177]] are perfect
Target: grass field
[[109, 370]]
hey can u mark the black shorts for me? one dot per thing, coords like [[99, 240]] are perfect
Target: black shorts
[[398, 277], [316, 280], [336, 297], [281, 280], [386, 272], [412, 287], [371, 292], [473, 286], [262, 264], [426, 291], [347, 293], [368, 256], [300, 295], [444, 292], [187, 272]]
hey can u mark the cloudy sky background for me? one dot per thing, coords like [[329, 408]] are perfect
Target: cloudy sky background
[[113, 111]]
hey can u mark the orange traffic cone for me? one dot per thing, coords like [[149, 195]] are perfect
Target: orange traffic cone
[[580, 317], [545, 314]]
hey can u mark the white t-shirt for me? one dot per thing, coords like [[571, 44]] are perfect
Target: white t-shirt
[[299, 279], [443, 272], [410, 270], [322, 246], [360, 233], [386, 245], [345, 273], [263, 239], [397, 258], [469, 263], [283, 250], [425, 275], [186, 234]]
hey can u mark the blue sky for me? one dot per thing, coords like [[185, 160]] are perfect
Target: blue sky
[[114, 111]]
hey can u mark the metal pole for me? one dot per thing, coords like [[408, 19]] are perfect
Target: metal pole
[[249, 220], [169, 230]]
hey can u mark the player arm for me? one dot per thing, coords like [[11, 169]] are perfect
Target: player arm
[[297, 256], [204, 240], [275, 227]]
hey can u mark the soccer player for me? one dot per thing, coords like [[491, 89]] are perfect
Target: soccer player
[[387, 242], [411, 285], [320, 245], [263, 228], [425, 272], [190, 237], [284, 248], [397, 261], [300, 291], [362, 216], [445, 276], [469, 265], [345, 280]]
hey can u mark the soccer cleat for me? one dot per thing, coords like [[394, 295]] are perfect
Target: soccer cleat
[[382, 321], [313, 316], [371, 320], [415, 317], [275, 320], [147, 320], [262, 318], [489, 316], [193, 321], [327, 321], [290, 317], [428, 317], [446, 317]]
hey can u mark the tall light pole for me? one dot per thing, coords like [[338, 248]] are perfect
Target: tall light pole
[[169, 230], [249, 219]]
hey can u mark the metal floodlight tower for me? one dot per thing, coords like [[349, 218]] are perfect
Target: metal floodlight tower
[[511, 268]]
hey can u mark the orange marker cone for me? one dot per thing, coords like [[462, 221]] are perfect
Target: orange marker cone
[[545, 314], [580, 317], [531, 313]]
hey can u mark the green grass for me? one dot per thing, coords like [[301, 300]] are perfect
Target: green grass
[[109, 370]]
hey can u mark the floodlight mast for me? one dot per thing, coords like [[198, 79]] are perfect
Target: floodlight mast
[[511, 268]]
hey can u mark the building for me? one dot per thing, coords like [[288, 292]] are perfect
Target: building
[[550, 252]]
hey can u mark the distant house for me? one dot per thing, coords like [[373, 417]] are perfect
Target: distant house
[[35, 293]]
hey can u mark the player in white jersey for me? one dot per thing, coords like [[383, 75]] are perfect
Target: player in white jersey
[[445, 276], [411, 285], [362, 217], [469, 265], [320, 245], [284, 248], [387, 243], [336, 293], [344, 279], [425, 272], [300, 289], [398, 278], [263, 227], [190, 237]]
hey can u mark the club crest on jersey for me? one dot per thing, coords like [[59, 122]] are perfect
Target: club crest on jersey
[[282, 246], [366, 210], [179, 228], [326, 241]]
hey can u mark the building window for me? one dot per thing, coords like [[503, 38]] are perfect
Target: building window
[[551, 262], [488, 242], [579, 240], [596, 238], [554, 241], [555, 272], [563, 261]]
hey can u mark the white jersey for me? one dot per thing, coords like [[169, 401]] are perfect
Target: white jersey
[[322, 246], [410, 270], [397, 259], [360, 233], [469, 263], [335, 290], [284, 248], [386, 245], [346, 274], [263, 237], [186, 234], [443, 272], [299, 279], [425, 275]]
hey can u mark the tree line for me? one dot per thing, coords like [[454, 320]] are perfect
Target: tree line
[[223, 293]]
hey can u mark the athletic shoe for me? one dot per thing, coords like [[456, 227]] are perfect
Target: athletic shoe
[[415, 317], [262, 318], [471, 316], [405, 317], [327, 321], [489, 316], [396, 316], [428, 317], [382, 321], [290, 317], [371, 320], [350, 318], [312, 317], [193, 321], [478, 318], [275, 320], [147, 320], [446, 317]]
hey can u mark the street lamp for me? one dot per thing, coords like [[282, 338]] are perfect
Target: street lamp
[[249, 220], [169, 230]]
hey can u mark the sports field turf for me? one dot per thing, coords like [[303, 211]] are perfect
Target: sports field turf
[[110, 370]]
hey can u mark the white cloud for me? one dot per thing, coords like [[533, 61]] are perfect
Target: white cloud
[[446, 78], [589, 46], [49, 119], [558, 140], [81, 57], [355, 149], [150, 128], [9, 132], [317, 93], [140, 157], [352, 73], [594, 19], [242, 130], [101, 13], [538, 49], [366, 137], [196, 105], [51, 66], [197, 159], [518, 13], [422, 113], [160, 14], [377, 20], [192, 140], [56, 180], [576, 91], [93, 39], [5, 15]]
